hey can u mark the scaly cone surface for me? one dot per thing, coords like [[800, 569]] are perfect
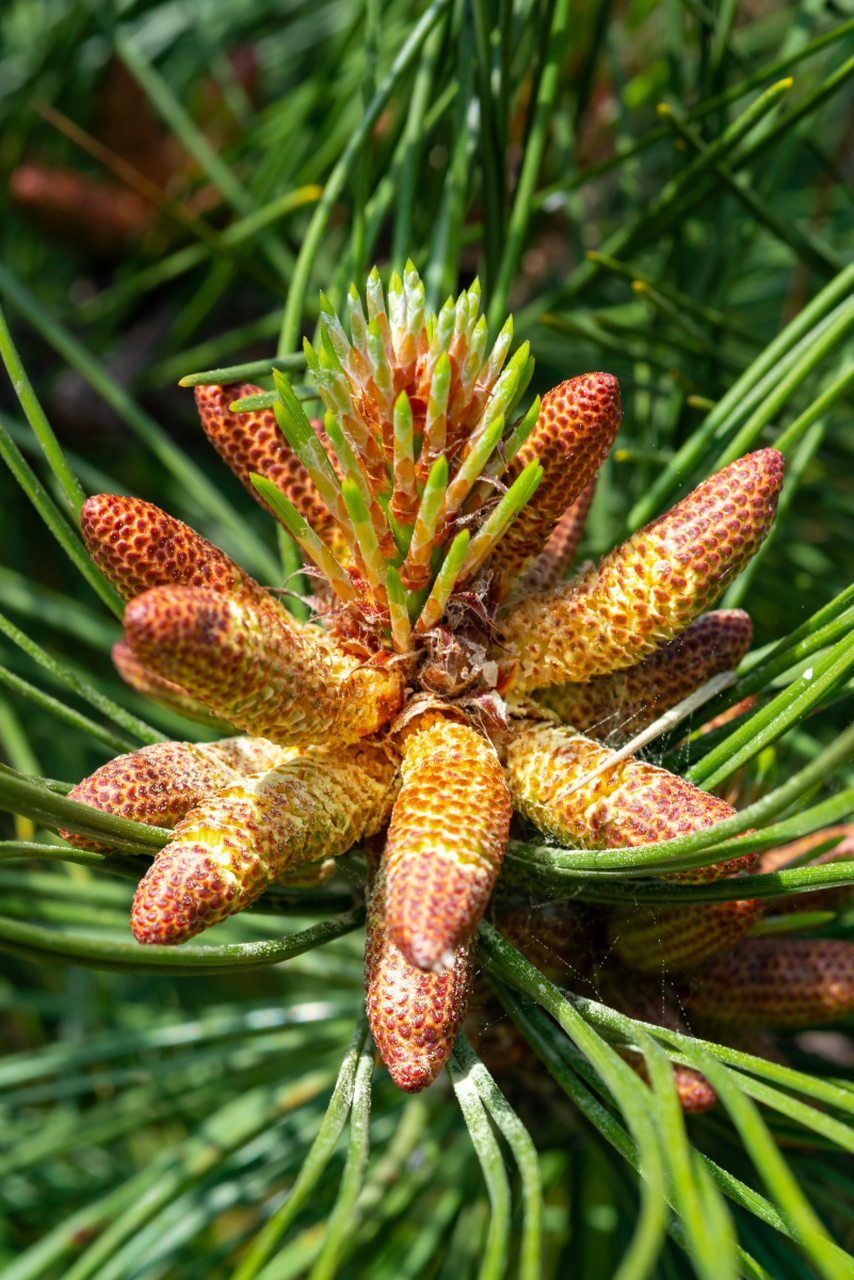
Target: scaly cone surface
[[166, 692], [618, 706], [424, 501], [241, 838], [628, 805], [776, 982], [137, 546], [573, 435], [157, 785], [446, 840], [414, 1016], [649, 589], [257, 668], [669, 939], [253, 443]]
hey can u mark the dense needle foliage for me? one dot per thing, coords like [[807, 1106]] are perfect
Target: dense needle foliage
[[659, 189]]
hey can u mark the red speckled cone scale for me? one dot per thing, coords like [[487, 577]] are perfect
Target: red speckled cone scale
[[445, 842], [619, 705], [776, 982], [243, 837], [576, 427], [258, 668], [414, 1016], [630, 805], [555, 560], [648, 590], [137, 546]]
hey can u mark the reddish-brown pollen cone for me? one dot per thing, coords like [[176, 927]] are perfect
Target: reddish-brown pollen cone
[[776, 982], [572, 436], [619, 705], [250, 662], [253, 443], [414, 1016], [157, 785], [649, 589], [137, 546], [445, 842]]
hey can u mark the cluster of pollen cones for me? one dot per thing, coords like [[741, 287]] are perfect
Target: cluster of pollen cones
[[450, 674]]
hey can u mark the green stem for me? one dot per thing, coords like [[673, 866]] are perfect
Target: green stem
[[38, 421], [46, 945], [714, 424], [495, 1175], [114, 741], [712, 844], [500, 958], [771, 884], [411, 151], [32, 798], [56, 522], [100, 701], [524, 1151], [770, 722], [187, 473], [773, 403]]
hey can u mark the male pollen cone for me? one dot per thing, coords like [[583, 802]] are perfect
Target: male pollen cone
[[620, 705], [414, 1016], [633, 803], [160, 784], [236, 841], [257, 668], [630, 804], [576, 427], [776, 982], [668, 938], [137, 546], [445, 842], [253, 442], [649, 589]]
